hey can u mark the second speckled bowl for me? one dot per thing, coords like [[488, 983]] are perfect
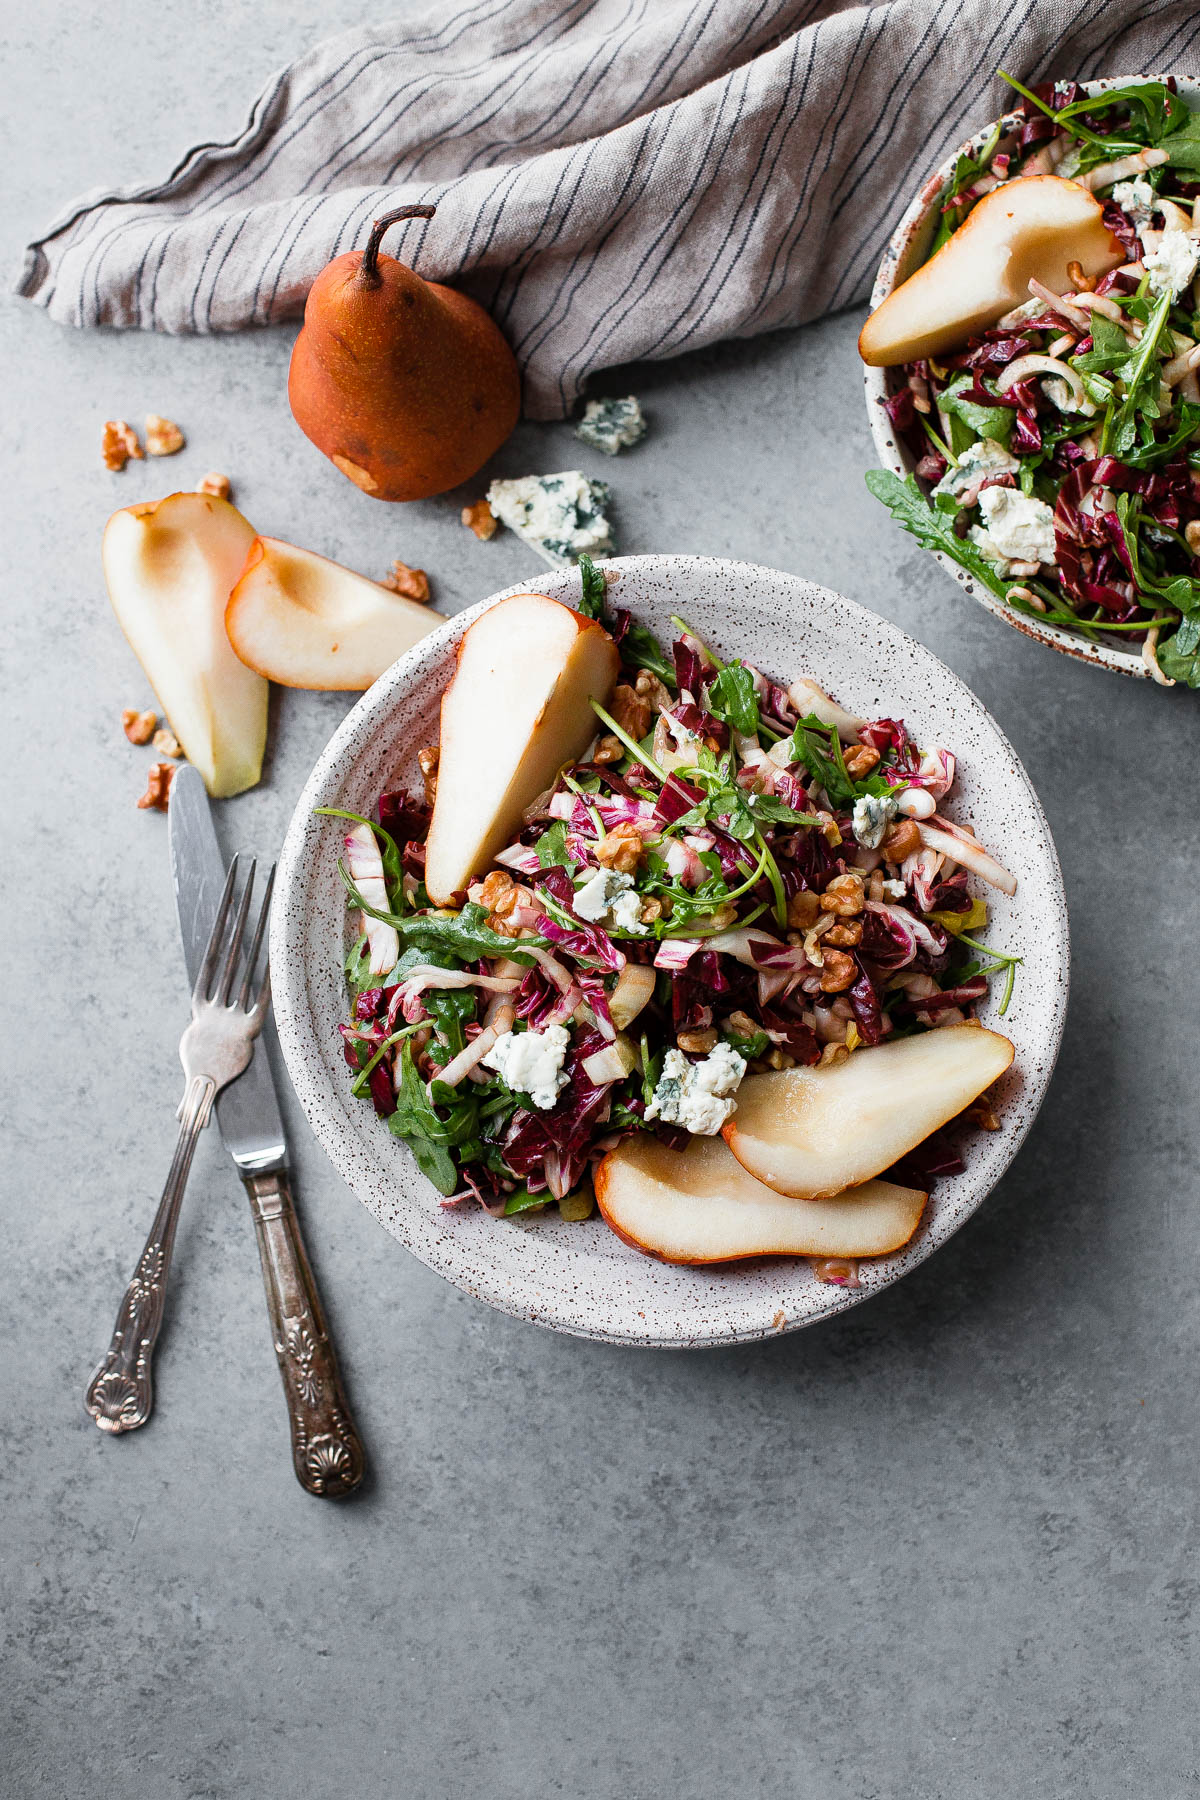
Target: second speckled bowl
[[581, 1278]]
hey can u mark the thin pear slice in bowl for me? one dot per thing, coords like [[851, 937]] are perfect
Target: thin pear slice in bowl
[[515, 711], [700, 1205], [811, 1132]]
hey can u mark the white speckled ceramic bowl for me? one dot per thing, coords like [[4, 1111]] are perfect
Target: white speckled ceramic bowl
[[580, 1277], [906, 251]]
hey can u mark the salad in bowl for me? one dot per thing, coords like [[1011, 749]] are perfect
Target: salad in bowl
[[668, 931], [1034, 378]]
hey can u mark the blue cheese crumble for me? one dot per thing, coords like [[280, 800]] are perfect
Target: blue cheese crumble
[[609, 898], [976, 463], [611, 425], [873, 813], [1136, 198], [560, 516], [1016, 527], [531, 1062], [698, 1096], [1172, 263]]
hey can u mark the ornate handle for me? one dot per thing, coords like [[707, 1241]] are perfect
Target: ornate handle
[[326, 1451], [120, 1395]]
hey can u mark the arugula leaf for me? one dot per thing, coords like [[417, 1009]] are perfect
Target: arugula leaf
[[734, 698], [749, 1047], [639, 648], [768, 809], [451, 1009], [521, 1200], [464, 934], [417, 1123], [1178, 663], [1141, 378], [992, 422], [552, 847], [1110, 350], [908, 506], [1150, 456], [1159, 108], [1183, 144], [829, 770], [594, 587]]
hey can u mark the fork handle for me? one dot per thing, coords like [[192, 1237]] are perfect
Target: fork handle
[[326, 1451], [120, 1395]]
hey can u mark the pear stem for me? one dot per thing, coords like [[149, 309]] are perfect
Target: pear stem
[[369, 269]]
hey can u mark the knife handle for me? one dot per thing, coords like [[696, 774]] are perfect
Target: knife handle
[[326, 1450]]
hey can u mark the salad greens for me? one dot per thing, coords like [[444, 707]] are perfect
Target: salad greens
[[1088, 411], [733, 902]]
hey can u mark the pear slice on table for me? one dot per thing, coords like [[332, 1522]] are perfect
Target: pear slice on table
[[307, 622], [169, 565], [1032, 227], [810, 1132], [700, 1206], [515, 711]]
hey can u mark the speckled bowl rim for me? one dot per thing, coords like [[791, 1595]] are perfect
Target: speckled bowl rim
[[756, 1300], [903, 254]]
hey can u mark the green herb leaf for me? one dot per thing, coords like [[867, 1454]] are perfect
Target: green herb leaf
[[909, 508], [733, 697], [991, 422], [552, 847], [464, 934], [594, 587], [417, 1123], [1179, 663], [749, 1047]]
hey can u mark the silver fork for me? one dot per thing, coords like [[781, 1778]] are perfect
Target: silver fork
[[214, 1049]]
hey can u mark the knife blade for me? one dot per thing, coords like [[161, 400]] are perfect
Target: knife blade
[[248, 1110], [327, 1453]]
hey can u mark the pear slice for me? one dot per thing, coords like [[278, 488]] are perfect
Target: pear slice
[[811, 1132], [169, 565], [307, 622], [516, 711], [1031, 227], [700, 1206]]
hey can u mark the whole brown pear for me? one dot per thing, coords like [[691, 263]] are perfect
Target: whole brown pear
[[407, 386]]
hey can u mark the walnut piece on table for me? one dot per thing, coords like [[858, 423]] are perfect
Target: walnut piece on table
[[158, 787], [412, 583], [216, 484], [166, 743], [481, 520], [138, 726], [163, 436], [119, 444]]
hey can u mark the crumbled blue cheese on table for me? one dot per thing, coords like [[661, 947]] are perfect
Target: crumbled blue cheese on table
[[872, 815], [975, 464], [1136, 198], [531, 1062], [611, 425], [698, 1096], [560, 516], [608, 897], [1172, 263], [1017, 526]]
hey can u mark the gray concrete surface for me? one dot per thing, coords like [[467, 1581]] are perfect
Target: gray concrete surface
[[942, 1547]]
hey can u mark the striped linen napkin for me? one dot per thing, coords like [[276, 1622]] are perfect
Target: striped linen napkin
[[614, 179]]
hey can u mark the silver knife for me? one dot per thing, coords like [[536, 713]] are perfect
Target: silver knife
[[326, 1449]]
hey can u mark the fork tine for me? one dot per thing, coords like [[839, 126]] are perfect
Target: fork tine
[[200, 991], [235, 944], [264, 913]]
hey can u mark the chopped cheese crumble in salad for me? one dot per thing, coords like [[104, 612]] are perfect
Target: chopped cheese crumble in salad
[[1058, 453], [735, 877]]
